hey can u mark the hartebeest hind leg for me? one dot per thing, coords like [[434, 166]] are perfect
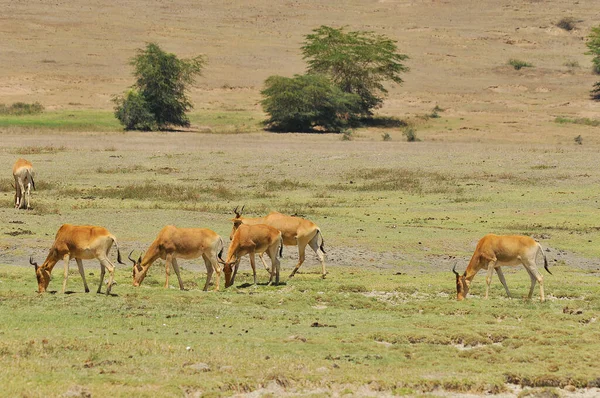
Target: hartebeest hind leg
[[315, 246], [176, 268], [105, 264], [535, 276], [275, 265], [82, 273], [211, 265]]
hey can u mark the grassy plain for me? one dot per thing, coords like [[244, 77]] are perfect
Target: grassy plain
[[384, 321], [501, 158]]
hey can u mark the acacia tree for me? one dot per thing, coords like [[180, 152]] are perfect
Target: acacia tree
[[158, 98], [593, 44], [357, 62]]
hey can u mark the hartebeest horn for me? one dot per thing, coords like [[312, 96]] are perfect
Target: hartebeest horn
[[454, 270], [130, 259], [32, 263]]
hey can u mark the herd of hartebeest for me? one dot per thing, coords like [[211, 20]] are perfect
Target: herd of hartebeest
[[250, 236]]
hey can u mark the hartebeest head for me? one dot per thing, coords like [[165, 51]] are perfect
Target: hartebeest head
[[237, 221], [42, 274], [138, 270], [462, 285]]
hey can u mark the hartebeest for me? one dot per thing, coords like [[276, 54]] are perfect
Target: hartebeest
[[187, 243], [251, 240], [23, 174], [295, 231], [81, 242], [494, 251]]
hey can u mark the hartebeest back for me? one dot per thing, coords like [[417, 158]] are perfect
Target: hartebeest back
[[295, 231], [23, 175], [494, 251], [187, 243], [251, 240], [81, 242]]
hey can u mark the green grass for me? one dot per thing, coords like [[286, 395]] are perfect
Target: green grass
[[361, 326], [518, 64], [97, 120], [577, 120]]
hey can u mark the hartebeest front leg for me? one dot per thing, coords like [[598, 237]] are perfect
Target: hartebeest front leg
[[488, 278], [176, 268], [82, 273], [501, 277], [66, 258], [301, 257], [253, 265]]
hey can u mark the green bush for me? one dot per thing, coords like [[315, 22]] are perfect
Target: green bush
[[306, 102], [410, 134], [518, 64], [567, 23], [133, 112]]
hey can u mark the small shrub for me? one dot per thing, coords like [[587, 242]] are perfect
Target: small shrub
[[571, 64], [567, 23], [579, 140], [411, 134], [133, 111], [595, 93], [21, 108], [518, 64], [347, 136], [386, 137]]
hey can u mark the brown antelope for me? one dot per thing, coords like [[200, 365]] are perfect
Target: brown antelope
[[251, 240], [81, 242], [494, 251], [295, 231], [23, 174], [187, 243]]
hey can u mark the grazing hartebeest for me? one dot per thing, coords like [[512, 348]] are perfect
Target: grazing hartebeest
[[295, 231], [188, 243], [494, 251], [23, 174], [251, 240], [81, 242]]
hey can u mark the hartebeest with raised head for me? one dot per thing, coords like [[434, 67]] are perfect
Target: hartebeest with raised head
[[81, 242], [251, 240], [23, 174], [295, 231], [187, 243], [494, 251]]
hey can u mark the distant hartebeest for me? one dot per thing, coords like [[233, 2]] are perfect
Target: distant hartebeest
[[81, 242], [23, 174], [295, 231], [494, 251], [251, 240], [187, 243]]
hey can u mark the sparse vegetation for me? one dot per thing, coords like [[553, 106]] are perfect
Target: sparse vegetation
[[21, 108], [386, 137], [567, 23], [518, 64], [411, 134], [578, 120], [579, 140]]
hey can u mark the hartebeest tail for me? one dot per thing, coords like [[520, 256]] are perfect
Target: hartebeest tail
[[493, 252]]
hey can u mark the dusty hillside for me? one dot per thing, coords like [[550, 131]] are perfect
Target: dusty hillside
[[74, 54]]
